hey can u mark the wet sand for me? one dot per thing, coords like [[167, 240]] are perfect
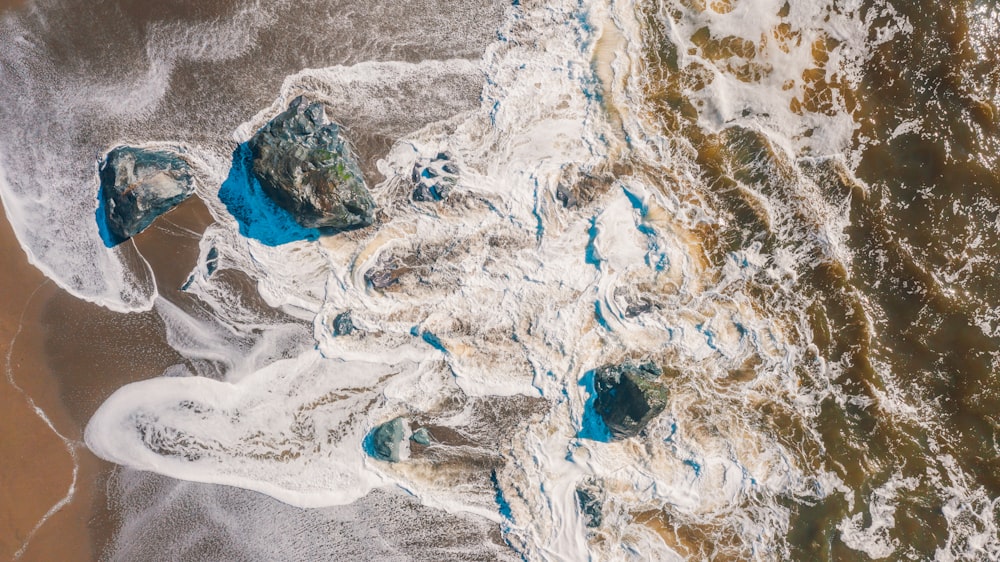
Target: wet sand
[[11, 4], [37, 466], [68, 357]]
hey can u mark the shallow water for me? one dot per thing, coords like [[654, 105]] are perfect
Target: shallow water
[[791, 206]]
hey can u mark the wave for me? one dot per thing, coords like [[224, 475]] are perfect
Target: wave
[[664, 181]]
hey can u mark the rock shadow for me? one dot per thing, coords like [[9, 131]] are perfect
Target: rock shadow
[[109, 238], [592, 425], [259, 217]]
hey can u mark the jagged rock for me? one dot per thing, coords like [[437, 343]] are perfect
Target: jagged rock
[[435, 178], [386, 438], [421, 436], [343, 325], [628, 397], [139, 184], [589, 498], [305, 165]]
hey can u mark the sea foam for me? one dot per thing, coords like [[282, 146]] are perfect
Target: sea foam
[[505, 291]]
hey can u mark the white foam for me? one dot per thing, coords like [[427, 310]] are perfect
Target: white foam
[[285, 430], [507, 292], [874, 540], [68, 248], [766, 71], [392, 97], [971, 515]]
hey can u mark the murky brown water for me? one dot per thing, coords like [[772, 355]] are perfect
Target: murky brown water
[[915, 318]]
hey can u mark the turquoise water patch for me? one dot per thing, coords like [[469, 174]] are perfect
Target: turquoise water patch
[[592, 425], [259, 217]]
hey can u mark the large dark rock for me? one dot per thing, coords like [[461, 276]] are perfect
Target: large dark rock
[[139, 184], [386, 439], [305, 165], [628, 397]]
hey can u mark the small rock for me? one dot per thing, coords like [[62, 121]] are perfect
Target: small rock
[[305, 165], [588, 497], [628, 397], [382, 278], [579, 188], [434, 179], [386, 438], [138, 185], [343, 325], [212, 260], [640, 306], [566, 197], [425, 192], [421, 436]]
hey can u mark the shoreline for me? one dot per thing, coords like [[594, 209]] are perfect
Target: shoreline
[[38, 467], [66, 357]]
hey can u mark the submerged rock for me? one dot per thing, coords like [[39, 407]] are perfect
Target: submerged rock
[[628, 397], [588, 496], [139, 184], [386, 439], [578, 188], [304, 164], [421, 436]]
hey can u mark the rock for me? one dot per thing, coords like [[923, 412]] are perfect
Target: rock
[[578, 188], [386, 438], [212, 261], [421, 436], [139, 184], [434, 178], [640, 306], [304, 164], [425, 192], [342, 324], [566, 196], [628, 397], [382, 278], [588, 496]]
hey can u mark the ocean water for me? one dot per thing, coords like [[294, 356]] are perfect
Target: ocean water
[[791, 206]]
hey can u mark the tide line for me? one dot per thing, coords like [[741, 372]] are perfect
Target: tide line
[[69, 444]]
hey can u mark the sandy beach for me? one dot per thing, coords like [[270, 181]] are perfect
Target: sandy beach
[[38, 465], [67, 357]]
